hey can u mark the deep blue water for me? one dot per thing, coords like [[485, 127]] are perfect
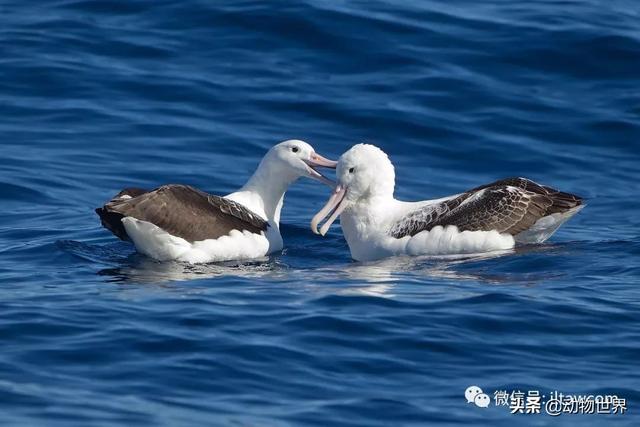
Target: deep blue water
[[99, 95]]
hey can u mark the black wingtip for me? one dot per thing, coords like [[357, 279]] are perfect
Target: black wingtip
[[563, 202], [112, 221]]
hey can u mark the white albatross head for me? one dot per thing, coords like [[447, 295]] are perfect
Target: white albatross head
[[297, 159], [363, 172]]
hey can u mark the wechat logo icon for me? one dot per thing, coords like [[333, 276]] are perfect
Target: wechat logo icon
[[474, 394]]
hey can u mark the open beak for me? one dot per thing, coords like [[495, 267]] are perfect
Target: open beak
[[334, 207], [316, 161]]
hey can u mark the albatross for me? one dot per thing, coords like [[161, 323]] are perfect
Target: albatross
[[180, 222], [491, 217]]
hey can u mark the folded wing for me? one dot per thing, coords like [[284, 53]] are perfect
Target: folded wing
[[181, 211], [509, 206]]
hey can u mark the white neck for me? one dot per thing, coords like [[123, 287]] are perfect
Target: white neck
[[264, 191]]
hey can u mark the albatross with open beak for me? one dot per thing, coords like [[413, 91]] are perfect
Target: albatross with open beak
[[179, 222], [488, 218]]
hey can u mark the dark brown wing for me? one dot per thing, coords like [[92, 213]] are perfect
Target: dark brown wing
[[130, 192], [561, 201], [510, 206], [181, 211], [112, 220]]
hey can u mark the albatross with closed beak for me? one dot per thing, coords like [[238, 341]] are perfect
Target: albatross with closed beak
[[488, 218], [179, 222]]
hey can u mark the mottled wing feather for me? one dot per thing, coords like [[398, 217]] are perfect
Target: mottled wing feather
[[421, 219], [505, 209], [561, 201], [186, 212], [510, 206]]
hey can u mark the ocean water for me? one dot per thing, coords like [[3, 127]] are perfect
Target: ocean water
[[99, 95]]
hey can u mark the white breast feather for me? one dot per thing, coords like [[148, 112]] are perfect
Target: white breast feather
[[152, 241], [449, 240], [369, 240]]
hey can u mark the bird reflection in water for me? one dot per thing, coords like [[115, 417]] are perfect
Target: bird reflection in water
[[377, 278]]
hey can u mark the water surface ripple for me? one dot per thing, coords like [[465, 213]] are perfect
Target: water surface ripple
[[98, 95]]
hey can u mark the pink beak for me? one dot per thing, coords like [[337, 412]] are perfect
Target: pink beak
[[335, 205], [316, 160]]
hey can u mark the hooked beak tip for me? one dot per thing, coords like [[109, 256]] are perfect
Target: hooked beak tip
[[315, 161], [333, 208], [314, 174]]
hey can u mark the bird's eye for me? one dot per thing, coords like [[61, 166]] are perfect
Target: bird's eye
[[295, 149], [352, 170]]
